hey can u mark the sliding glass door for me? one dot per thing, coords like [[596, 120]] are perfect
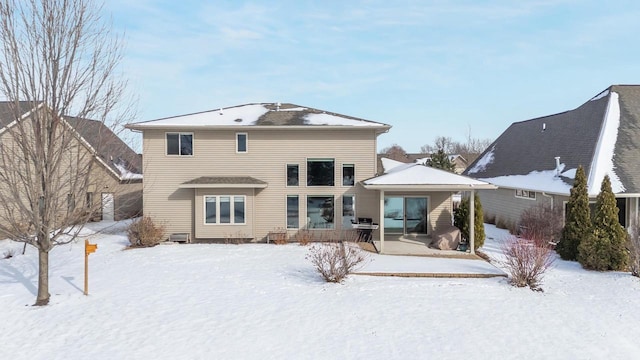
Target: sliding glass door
[[405, 215]]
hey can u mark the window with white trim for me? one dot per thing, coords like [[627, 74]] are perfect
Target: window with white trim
[[293, 212], [348, 174], [320, 211], [320, 172], [242, 140], [179, 144], [224, 209], [292, 174], [348, 210], [525, 194]]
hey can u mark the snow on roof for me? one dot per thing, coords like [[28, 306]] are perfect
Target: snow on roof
[[126, 174], [603, 160], [600, 96], [545, 181], [330, 119], [265, 114], [233, 116], [483, 162], [416, 174], [389, 164]]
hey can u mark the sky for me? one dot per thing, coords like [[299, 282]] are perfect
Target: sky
[[428, 68]]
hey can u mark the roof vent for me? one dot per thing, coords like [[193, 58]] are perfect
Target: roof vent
[[238, 120], [221, 112], [544, 126], [277, 106], [558, 166]]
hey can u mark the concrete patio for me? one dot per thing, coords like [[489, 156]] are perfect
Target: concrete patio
[[407, 258]]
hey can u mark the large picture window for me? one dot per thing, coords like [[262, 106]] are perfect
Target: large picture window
[[320, 172], [320, 212], [224, 209], [292, 175], [180, 144], [293, 212]]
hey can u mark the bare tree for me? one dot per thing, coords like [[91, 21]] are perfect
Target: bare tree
[[395, 152], [58, 57]]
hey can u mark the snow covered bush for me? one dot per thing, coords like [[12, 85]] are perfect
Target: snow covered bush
[[541, 223], [145, 233], [526, 262], [334, 261]]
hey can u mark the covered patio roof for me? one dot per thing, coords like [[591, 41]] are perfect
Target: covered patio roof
[[418, 177]]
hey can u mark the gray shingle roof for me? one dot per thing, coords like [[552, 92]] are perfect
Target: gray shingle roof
[[225, 180], [574, 135], [109, 147]]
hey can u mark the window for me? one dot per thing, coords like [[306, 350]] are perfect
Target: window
[[320, 212], [241, 142], [293, 212], [210, 210], [348, 175], [525, 194], [89, 200], [348, 210], [320, 172], [180, 144], [292, 174], [224, 209]]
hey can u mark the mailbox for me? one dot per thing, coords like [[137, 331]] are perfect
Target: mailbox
[[89, 248]]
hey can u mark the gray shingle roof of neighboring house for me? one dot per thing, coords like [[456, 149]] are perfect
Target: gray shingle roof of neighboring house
[[260, 114], [7, 113], [109, 147], [602, 135], [114, 152]]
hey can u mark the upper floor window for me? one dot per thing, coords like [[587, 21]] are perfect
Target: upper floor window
[[525, 194], [348, 175], [180, 144], [241, 142], [320, 172], [292, 174]]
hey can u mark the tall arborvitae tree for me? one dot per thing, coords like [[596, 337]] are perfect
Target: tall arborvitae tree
[[461, 220], [578, 221], [440, 160], [606, 248]]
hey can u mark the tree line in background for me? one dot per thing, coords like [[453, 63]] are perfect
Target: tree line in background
[[442, 146]]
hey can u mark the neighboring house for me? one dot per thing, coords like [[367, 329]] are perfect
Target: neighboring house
[[118, 172], [245, 171], [534, 161], [457, 160]]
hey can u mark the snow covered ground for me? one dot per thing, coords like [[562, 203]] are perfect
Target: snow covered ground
[[266, 302]]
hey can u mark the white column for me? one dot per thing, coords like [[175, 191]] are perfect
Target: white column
[[472, 219], [381, 221]]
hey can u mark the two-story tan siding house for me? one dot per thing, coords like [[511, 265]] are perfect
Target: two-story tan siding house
[[246, 171]]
